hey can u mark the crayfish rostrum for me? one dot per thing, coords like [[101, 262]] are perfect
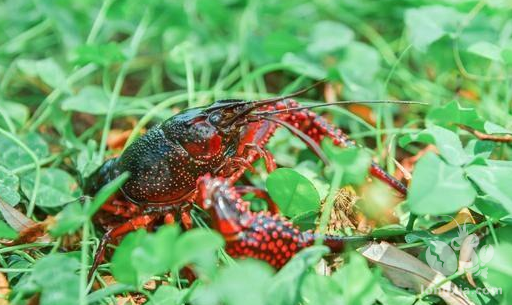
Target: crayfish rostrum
[[222, 141]]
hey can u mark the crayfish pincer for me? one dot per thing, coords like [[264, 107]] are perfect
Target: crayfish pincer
[[222, 140], [261, 235]]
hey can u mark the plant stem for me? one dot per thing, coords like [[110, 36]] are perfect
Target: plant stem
[[329, 203], [24, 246], [98, 22], [84, 263], [134, 45], [44, 110]]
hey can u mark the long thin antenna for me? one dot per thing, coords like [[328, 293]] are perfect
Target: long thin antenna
[[294, 94], [256, 104], [342, 103], [304, 137]]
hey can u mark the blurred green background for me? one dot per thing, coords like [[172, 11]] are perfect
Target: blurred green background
[[71, 71]]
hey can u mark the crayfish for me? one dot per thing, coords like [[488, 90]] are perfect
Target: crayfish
[[223, 140], [262, 235]]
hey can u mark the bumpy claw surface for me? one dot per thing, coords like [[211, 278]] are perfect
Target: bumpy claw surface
[[261, 235]]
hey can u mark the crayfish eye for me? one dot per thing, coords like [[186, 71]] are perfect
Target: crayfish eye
[[215, 118]]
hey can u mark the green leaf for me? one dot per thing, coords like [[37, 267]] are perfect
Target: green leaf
[[62, 289], [357, 282], [199, 247], [123, 267], [243, 283], [427, 24], [486, 50], [452, 114], [9, 185], [492, 128], [18, 113], [102, 55], [490, 207], [494, 181], [478, 148], [445, 140], [168, 295], [329, 36], [292, 192], [7, 232], [47, 70], [500, 267], [353, 162], [304, 66], [13, 156], [438, 188], [358, 69], [91, 99], [87, 161], [69, 220], [56, 188], [105, 192], [142, 255], [73, 216], [320, 289], [306, 220], [393, 295], [278, 43], [283, 289], [506, 54]]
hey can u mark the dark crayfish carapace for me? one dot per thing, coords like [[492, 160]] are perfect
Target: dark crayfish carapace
[[223, 140]]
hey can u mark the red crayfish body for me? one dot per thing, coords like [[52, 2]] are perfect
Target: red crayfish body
[[221, 140]]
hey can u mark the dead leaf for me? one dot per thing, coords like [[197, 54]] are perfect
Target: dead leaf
[[4, 290], [29, 230], [17, 220], [342, 213], [464, 216], [468, 259], [406, 271], [364, 112], [468, 94], [117, 138]]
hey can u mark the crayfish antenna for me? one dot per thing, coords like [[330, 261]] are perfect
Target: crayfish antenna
[[256, 104], [294, 94], [381, 174], [304, 137], [286, 110]]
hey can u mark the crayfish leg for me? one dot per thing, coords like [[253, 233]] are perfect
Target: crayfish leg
[[138, 222], [260, 193], [317, 128], [121, 208]]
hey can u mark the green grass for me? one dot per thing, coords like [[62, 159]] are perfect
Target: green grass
[[72, 71]]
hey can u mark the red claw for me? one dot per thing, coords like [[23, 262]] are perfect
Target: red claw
[[271, 238]]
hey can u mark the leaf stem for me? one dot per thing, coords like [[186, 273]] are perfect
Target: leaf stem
[[134, 45], [84, 257], [44, 110], [100, 18], [329, 203], [190, 80], [25, 246]]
